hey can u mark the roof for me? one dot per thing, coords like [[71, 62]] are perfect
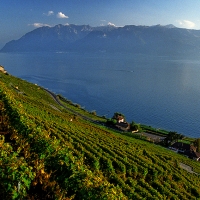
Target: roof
[[196, 154], [183, 146], [123, 125]]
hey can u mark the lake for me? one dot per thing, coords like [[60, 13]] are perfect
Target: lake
[[162, 92]]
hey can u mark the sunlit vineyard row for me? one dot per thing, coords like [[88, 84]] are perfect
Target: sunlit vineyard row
[[52, 153]]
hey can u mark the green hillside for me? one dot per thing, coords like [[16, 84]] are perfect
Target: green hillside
[[51, 152]]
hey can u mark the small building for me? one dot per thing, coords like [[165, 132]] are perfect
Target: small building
[[3, 70], [124, 126], [121, 123], [186, 149], [195, 156], [183, 147], [120, 119]]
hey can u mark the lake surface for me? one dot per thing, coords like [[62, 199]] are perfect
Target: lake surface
[[163, 92]]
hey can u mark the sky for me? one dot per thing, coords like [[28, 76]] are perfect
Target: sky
[[17, 17]]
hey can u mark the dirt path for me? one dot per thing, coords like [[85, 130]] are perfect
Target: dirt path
[[187, 168]]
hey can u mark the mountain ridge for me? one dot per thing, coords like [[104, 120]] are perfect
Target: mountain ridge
[[156, 39]]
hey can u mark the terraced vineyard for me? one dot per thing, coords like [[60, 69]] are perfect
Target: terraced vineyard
[[49, 152]]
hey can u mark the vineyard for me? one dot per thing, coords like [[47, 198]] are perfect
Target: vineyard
[[49, 152]]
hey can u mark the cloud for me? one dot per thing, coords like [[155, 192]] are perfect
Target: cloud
[[37, 25], [61, 15], [49, 13], [110, 24], [186, 24]]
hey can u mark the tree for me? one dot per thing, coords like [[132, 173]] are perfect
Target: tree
[[172, 137], [197, 144], [134, 126], [118, 115], [111, 121], [93, 112]]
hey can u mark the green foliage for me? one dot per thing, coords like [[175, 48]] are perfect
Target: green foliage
[[197, 144], [172, 137], [134, 126], [49, 154], [117, 115], [111, 121], [93, 112], [153, 130], [15, 174]]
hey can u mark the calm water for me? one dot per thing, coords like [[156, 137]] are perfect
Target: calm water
[[163, 92]]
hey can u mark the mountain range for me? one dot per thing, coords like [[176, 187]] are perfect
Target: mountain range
[[130, 38]]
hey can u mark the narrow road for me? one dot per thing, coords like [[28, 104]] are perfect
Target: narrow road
[[54, 96]]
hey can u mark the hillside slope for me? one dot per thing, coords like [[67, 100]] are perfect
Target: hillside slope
[[48, 152]]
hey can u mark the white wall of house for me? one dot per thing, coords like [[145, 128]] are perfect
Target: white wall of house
[[120, 120]]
